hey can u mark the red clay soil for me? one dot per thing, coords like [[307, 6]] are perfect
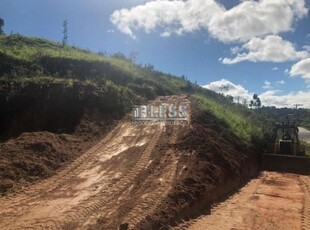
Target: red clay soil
[[212, 163], [36, 155], [272, 201], [136, 177]]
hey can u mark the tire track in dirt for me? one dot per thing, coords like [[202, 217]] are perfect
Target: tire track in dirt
[[125, 184], [23, 200], [152, 201], [221, 210], [272, 201], [76, 194], [44, 187], [113, 193], [306, 209], [84, 207], [135, 213]]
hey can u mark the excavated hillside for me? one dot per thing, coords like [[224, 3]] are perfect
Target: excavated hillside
[[139, 176], [58, 101], [71, 157]]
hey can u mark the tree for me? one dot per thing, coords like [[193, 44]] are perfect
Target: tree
[[1, 25], [230, 98], [255, 102]]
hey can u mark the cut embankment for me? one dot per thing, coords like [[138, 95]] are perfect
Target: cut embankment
[[213, 163], [33, 156], [46, 126], [139, 176]]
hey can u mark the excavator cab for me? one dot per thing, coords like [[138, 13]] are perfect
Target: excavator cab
[[288, 143], [288, 154]]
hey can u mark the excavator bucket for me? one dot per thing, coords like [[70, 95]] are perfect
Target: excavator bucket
[[286, 163]]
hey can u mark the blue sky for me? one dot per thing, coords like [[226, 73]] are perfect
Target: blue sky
[[250, 46]]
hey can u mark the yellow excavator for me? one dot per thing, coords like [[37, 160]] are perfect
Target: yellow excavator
[[289, 153]]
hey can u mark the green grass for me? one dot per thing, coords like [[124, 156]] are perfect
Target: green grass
[[47, 80], [29, 49], [35, 59], [238, 119]]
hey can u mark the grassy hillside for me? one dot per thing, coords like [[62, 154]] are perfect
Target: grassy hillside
[[32, 59], [248, 125], [116, 80], [239, 119]]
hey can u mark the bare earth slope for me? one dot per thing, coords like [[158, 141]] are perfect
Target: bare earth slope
[[85, 186], [103, 187], [150, 176]]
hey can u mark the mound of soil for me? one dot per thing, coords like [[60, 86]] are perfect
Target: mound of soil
[[37, 155], [212, 163]]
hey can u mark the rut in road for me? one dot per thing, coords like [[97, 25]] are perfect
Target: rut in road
[[272, 201]]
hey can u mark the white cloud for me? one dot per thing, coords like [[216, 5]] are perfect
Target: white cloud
[[271, 48], [256, 18], [275, 68], [268, 98], [272, 98], [240, 23], [228, 88], [301, 68], [267, 85], [171, 17]]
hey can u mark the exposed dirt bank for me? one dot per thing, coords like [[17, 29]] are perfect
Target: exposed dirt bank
[[57, 108], [137, 177], [122, 172], [212, 163], [46, 126], [36, 155]]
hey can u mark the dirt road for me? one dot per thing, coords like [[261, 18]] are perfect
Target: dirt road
[[304, 134], [103, 185], [272, 201]]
